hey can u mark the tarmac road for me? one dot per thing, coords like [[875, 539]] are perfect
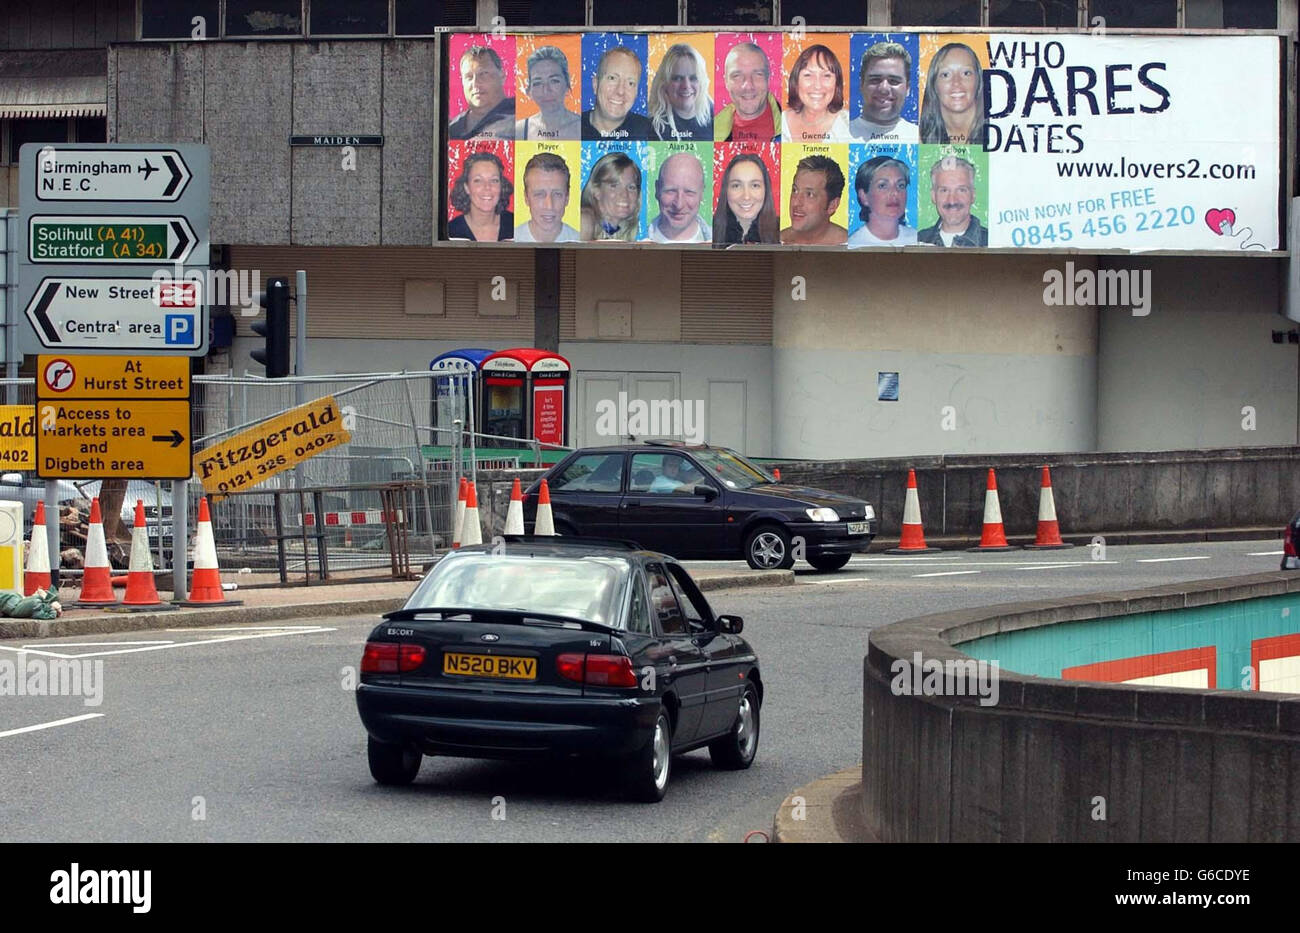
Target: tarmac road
[[250, 733]]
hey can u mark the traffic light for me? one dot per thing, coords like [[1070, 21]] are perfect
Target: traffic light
[[275, 356]]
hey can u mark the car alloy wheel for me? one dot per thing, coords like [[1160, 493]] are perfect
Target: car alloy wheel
[[768, 548], [662, 755], [647, 771], [736, 750]]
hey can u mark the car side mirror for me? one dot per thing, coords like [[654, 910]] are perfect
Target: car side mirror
[[731, 625], [708, 492]]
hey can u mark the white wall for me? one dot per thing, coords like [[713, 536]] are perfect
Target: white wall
[[1180, 376], [969, 332]]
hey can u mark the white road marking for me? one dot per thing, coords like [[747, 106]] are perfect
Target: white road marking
[[103, 644], [947, 573], [1078, 563], [50, 725], [1265, 554], [1165, 560], [166, 645], [841, 580], [246, 628]]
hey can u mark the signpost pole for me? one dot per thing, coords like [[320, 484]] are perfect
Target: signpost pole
[[180, 537], [300, 361], [52, 529], [9, 298]]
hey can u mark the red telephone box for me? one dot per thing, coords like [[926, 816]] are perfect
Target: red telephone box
[[524, 395]]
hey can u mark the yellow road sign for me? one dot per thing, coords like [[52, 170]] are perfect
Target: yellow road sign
[[275, 445], [17, 437], [126, 439], [61, 376]]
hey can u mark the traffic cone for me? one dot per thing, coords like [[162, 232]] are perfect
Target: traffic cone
[[36, 575], [1049, 532], [96, 576], [994, 537], [460, 513], [776, 472], [471, 532], [913, 539], [545, 524], [141, 593], [205, 585], [515, 511]]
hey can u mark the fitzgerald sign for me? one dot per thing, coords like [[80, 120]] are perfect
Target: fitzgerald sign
[[17, 437], [865, 139], [275, 445]]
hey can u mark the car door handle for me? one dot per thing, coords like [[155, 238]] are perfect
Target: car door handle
[[628, 503]]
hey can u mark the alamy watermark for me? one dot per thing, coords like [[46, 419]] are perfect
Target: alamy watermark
[[930, 677], [677, 417], [1118, 288], [29, 676]]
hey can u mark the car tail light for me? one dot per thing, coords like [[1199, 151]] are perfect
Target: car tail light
[[1288, 543], [597, 670], [387, 658]]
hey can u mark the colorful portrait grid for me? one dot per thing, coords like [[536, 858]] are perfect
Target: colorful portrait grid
[[733, 138]]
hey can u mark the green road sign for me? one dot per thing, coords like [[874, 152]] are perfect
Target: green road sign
[[109, 240]]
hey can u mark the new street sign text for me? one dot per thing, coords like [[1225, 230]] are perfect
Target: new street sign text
[[70, 313]]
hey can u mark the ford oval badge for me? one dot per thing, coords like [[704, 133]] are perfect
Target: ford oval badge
[[490, 637]]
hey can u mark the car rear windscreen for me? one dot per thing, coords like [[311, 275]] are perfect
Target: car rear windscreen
[[588, 588]]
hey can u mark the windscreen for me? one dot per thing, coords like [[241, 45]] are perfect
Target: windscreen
[[588, 588], [731, 468]]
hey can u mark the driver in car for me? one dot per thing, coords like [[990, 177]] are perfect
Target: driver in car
[[677, 476]]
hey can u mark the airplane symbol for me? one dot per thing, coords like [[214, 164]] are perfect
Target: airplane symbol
[[148, 168]]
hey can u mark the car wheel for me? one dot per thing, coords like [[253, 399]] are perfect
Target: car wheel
[[768, 548], [647, 771], [828, 561], [392, 764], [736, 750]]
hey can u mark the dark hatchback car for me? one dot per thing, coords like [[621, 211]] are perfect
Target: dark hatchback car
[[555, 647], [700, 502], [1291, 543]]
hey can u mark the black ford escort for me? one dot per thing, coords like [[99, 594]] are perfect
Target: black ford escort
[[700, 503], [559, 647]]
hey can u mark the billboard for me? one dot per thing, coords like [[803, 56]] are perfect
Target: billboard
[[864, 140]]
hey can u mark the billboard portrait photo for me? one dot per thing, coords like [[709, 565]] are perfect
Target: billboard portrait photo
[[861, 140]]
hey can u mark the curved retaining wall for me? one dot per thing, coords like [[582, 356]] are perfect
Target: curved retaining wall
[[1160, 764]]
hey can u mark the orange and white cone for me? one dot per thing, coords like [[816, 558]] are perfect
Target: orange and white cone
[[545, 524], [205, 585], [776, 472], [1049, 531], [96, 575], [460, 513], [515, 511], [994, 537], [471, 532], [36, 575], [141, 593], [913, 538]]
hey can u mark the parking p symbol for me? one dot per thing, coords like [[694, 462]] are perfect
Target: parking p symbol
[[178, 329]]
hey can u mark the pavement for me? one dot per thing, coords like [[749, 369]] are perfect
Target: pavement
[[262, 598]]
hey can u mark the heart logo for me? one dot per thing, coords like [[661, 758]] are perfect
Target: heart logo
[[1216, 218]]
